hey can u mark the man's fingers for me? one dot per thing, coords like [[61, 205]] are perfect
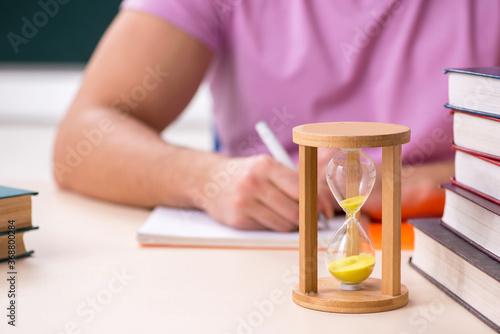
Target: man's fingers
[[277, 201], [285, 179], [271, 220], [247, 223], [264, 195]]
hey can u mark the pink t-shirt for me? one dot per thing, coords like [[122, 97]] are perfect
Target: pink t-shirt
[[291, 62]]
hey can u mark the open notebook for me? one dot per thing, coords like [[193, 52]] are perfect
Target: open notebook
[[176, 227]]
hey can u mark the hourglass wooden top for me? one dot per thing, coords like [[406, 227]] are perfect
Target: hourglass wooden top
[[351, 134]]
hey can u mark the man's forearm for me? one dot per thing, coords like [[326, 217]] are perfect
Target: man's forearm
[[113, 156]]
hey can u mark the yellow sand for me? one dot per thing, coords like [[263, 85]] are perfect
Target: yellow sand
[[352, 269], [352, 204]]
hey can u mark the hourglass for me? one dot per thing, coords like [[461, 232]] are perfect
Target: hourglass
[[350, 257]]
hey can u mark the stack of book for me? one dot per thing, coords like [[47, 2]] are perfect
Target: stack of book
[[15, 221], [460, 253]]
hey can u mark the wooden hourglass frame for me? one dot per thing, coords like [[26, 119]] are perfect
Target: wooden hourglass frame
[[324, 294]]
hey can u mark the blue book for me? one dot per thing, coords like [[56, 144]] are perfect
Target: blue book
[[6, 192], [20, 248], [15, 221], [474, 89]]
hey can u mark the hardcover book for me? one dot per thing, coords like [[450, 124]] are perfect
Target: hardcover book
[[475, 88], [476, 131], [15, 204], [478, 172], [15, 221], [16, 239], [473, 218], [463, 272]]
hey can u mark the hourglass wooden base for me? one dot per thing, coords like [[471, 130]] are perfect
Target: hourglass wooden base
[[331, 298], [324, 294]]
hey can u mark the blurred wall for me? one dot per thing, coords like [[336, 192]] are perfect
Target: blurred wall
[[44, 46], [52, 31]]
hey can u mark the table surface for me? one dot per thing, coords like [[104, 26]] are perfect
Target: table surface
[[89, 275]]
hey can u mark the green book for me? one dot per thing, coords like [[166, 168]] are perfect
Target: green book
[[15, 220], [20, 248], [13, 192], [15, 205]]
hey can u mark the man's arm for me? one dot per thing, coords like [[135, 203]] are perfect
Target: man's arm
[[140, 78], [134, 85]]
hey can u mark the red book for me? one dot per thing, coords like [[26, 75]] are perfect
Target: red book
[[477, 131], [477, 172]]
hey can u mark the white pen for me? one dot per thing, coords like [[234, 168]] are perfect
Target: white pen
[[280, 154]]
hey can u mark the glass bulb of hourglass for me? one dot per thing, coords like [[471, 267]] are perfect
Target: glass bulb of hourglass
[[350, 256]]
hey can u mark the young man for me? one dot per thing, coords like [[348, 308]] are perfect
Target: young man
[[287, 62]]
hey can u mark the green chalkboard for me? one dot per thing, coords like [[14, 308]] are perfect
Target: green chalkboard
[[52, 31]]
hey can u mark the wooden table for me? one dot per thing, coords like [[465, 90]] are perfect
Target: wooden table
[[89, 275]]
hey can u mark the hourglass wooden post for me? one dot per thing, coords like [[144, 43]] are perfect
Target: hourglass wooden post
[[324, 294]]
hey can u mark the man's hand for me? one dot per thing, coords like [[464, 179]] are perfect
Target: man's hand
[[421, 195], [261, 194], [420, 192]]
